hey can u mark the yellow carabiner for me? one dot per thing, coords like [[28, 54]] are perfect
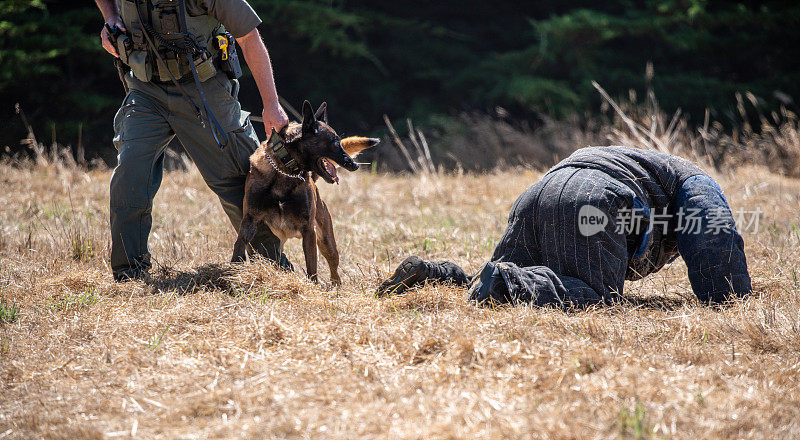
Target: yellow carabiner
[[222, 42]]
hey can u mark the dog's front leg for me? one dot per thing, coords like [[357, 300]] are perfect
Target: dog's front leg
[[246, 233], [310, 251]]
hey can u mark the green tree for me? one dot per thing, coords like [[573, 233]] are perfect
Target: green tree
[[421, 59], [53, 66]]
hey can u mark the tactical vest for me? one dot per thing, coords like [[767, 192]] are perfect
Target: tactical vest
[[161, 19]]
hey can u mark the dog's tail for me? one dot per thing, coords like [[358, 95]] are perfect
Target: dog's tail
[[355, 144]]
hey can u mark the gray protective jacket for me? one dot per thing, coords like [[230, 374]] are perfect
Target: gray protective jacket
[[543, 257]]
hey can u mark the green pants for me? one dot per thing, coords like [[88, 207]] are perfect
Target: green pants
[[151, 115]]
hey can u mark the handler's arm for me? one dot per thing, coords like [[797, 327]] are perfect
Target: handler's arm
[[257, 57], [109, 10]]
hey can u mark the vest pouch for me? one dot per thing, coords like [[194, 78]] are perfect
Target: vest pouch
[[205, 67], [131, 19], [137, 39], [174, 68], [140, 65], [171, 66], [127, 10], [169, 21], [229, 59], [123, 47]]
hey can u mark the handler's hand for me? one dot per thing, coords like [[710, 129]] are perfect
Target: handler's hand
[[274, 117], [104, 37]]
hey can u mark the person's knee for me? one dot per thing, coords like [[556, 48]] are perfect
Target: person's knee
[[226, 173], [138, 173], [228, 186], [129, 187]]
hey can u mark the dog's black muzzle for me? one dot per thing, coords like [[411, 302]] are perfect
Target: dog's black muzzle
[[345, 161]]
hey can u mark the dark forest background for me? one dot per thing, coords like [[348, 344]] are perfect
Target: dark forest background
[[427, 60]]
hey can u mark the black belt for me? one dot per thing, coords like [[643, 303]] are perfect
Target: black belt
[[182, 80], [185, 79]]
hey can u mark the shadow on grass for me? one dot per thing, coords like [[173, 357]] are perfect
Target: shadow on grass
[[206, 277], [654, 302], [217, 276]]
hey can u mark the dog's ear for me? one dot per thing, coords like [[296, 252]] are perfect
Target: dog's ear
[[322, 113], [355, 144], [309, 122]]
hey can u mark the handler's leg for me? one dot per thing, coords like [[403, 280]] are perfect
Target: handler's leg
[[225, 171], [712, 248], [141, 134]]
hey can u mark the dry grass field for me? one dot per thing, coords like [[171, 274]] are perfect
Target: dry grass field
[[206, 351]]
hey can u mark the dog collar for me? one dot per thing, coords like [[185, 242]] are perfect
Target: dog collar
[[277, 145]]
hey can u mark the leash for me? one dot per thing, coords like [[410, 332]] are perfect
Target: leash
[[160, 58], [185, 52], [215, 126]]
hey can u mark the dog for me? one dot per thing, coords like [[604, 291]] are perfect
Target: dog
[[290, 203]]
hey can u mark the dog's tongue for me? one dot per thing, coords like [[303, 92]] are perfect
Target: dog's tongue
[[331, 169]]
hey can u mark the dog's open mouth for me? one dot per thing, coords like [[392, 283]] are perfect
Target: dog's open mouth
[[327, 169]]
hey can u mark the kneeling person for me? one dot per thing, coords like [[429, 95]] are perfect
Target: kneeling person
[[599, 217]]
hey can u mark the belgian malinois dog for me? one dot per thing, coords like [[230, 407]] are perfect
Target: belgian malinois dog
[[286, 197]]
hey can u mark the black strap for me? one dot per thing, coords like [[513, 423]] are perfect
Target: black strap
[[113, 35], [121, 72], [215, 126], [196, 109], [277, 144], [209, 115]]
